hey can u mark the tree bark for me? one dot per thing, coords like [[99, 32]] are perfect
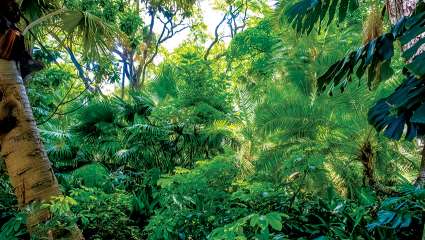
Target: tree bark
[[29, 169], [400, 8], [404, 8], [420, 181]]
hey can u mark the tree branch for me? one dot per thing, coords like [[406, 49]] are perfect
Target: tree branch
[[80, 70], [216, 37]]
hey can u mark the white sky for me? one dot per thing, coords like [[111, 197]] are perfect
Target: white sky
[[211, 18]]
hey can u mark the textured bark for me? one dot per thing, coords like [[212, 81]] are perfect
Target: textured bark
[[420, 181], [366, 157], [404, 8], [29, 169], [400, 8]]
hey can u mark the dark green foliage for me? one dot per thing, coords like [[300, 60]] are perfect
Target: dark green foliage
[[377, 51], [405, 107], [402, 109], [96, 210], [14, 229], [204, 204], [97, 119], [401, 212], [304, 14], [34, 10], [7, 200]]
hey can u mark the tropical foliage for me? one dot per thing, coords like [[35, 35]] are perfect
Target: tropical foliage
[[228, 135]]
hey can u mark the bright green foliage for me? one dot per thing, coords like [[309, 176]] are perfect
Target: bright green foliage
[[259, 223], [251, 53], [190, 199], [198, 96], [14, 229], [96, 210], [130, 133]]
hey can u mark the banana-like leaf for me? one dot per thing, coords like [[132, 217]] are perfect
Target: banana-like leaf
[[402, 112]]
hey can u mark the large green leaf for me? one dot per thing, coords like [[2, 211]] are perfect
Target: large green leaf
[[404, 109]]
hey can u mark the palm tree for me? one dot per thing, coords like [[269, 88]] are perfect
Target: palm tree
[[26, 160]]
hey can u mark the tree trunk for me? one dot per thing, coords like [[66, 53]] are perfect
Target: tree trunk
[[404, 8], [366, 156], [400, 8], [29, 169], [420, 181]]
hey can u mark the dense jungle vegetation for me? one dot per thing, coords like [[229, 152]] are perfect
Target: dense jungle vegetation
[[285, 120]]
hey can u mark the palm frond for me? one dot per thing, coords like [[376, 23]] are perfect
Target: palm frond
[[92, 175], [305, 14], [95, 119], [97, 36]]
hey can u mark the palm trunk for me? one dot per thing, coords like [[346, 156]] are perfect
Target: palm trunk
[[29, 169], [420, 181]]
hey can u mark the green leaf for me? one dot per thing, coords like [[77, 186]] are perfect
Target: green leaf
[[275, 221], [71, 19], [255, 219], [406, 220], [416, 66], [419, 115], [385, 216], [343, 10]]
